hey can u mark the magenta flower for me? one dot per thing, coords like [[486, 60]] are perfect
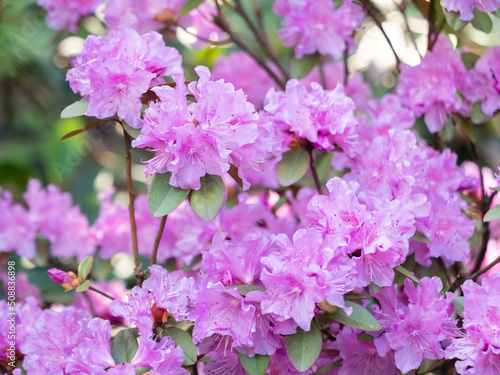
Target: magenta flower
[[325, 118], [204, 137], [58, 276], [466, 7], [137, 306], [65, 14], [235, 262], [16, 232], [113, 72], [53, 214], [244, 73], [361, 357], [171, 291], [312, 26], [217, 310], [431, 88], [485, 85]]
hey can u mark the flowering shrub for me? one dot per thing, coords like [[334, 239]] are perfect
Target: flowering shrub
[[295, 222]]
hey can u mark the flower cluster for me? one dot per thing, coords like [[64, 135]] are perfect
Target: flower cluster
[[51, 214], [115, 71], [478, 347], [317, 26], [65, 14], [205, 137]]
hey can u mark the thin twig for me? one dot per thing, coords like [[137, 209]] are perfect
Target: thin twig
[[475, 275], [402, 9], [261, 38], [312, 166], [222, 23], [346, 67], [133, 227], [322, 74], [373, 16], [157, 240], [101, 293], [443, 267], [435, 366]]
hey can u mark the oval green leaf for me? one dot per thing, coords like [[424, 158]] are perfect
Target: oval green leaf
[[329, 367], [303, 347], [257, 365], [245, 289], [469, 59], [189, 6], [458, 305], [134, 133], [207, 202], [83, 287], [493, 214], [292, 167], [453, 20], [360, 318], [162, 197], [482, 21], [419, 237], [76, 109], [184, 340], [403, 271], [300, 68], [477, 115], [124, 346], [85, 266]]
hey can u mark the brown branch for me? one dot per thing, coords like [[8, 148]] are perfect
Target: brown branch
[[261, 38], [101, 293], [374, 17], [139, 275], [220, 21], [157, 240], [312, 165]]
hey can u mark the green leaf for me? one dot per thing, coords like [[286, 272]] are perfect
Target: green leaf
[[184, 340], [374, 288], [467, 129], [303, 347], [363, 336], [453, 20], [124, 346], [293, 166], [162, 197], [477, 116], [329, 367], [76, 109], [360, 318], [301, 68], [83, 287], [493, 214], [469, 59], [245, 289], [403, 271], [207, 202], [189, 6], [134, 133], [84, 267], [419, 237], [458, 305], [482, 21], [257, 365]]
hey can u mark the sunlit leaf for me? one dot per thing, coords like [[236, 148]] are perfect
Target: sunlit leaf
[[162, 197], [76, 109], [303, 347], [257, 365], [292, 167], [208, 200], [360, 318]]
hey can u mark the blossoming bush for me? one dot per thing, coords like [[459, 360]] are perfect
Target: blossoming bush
[[295, 223]]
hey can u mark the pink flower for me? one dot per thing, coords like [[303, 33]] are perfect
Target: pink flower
[[113, 72], [431, 88], [466, 7], [16, 231], [204, 137], [244, 73], [317, 25], [222, 311], [325, 118], [65, 14], [52, 213], [478, 350]]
